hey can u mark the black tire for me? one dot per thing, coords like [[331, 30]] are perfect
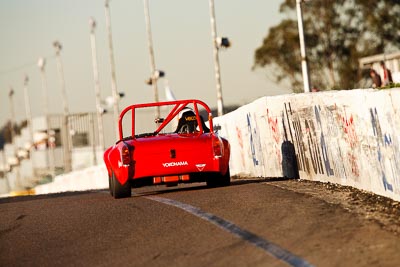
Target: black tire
[[226, 179], [111, 186], [120, 191], [217, 180], [211, 181]]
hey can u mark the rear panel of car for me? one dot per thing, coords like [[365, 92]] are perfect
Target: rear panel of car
[[173, 154]]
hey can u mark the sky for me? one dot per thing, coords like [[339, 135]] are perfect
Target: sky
[[181, 34]]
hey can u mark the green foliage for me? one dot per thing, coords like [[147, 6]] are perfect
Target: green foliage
[[390, 85], [285, 59], [337, 34]]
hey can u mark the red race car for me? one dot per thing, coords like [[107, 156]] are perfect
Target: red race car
[[176, 147]]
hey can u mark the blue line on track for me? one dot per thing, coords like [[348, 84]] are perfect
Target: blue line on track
[[257, 241]]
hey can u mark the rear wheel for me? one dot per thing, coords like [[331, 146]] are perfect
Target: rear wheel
[[119, 190], [226, 179], [110, 185], [217, 180]]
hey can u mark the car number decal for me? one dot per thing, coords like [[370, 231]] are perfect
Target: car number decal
[[191, 118]]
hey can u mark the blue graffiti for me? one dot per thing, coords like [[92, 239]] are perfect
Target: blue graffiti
[[382, 139], [387, 139], [252, 145], [386, 184], [375, 123], [329, 170]]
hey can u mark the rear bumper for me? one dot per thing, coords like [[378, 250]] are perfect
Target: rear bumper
[[180, 168]]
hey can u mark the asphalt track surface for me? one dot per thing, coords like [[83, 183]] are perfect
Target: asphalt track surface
[[250, 223]]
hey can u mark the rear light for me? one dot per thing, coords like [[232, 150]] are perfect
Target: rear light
[[218, 147], [125, 155]]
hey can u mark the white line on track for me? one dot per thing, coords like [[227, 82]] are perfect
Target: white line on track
[[267, 246]]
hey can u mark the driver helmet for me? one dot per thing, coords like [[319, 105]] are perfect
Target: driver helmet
[[184, 110]]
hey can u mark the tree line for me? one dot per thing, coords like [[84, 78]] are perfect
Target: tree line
[[337, 34]]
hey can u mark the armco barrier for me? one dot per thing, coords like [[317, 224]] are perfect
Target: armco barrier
[[345, 137]]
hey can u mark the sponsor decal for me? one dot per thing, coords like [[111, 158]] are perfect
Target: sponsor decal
[[190, 118], [175, 164], [200, 167]]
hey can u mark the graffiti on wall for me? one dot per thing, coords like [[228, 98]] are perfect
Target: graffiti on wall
[[307, 139], [240, 140], [253, 133], [351, 138], [318, 150], [324, 146], [294, 134], [336, 140], [273, 123], [387, 154], [333, 153], [313, 146], [316, 133], [255, 140]]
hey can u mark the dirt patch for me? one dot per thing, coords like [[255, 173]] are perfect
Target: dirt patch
[[383, 210]]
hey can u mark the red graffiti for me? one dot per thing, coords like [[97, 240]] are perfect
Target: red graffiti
[[273, 123], [240, 139], [350, 131], [353, 164], [352, 139]]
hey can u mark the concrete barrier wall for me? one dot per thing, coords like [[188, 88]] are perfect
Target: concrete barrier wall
[[345, 137], [95, 177]]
